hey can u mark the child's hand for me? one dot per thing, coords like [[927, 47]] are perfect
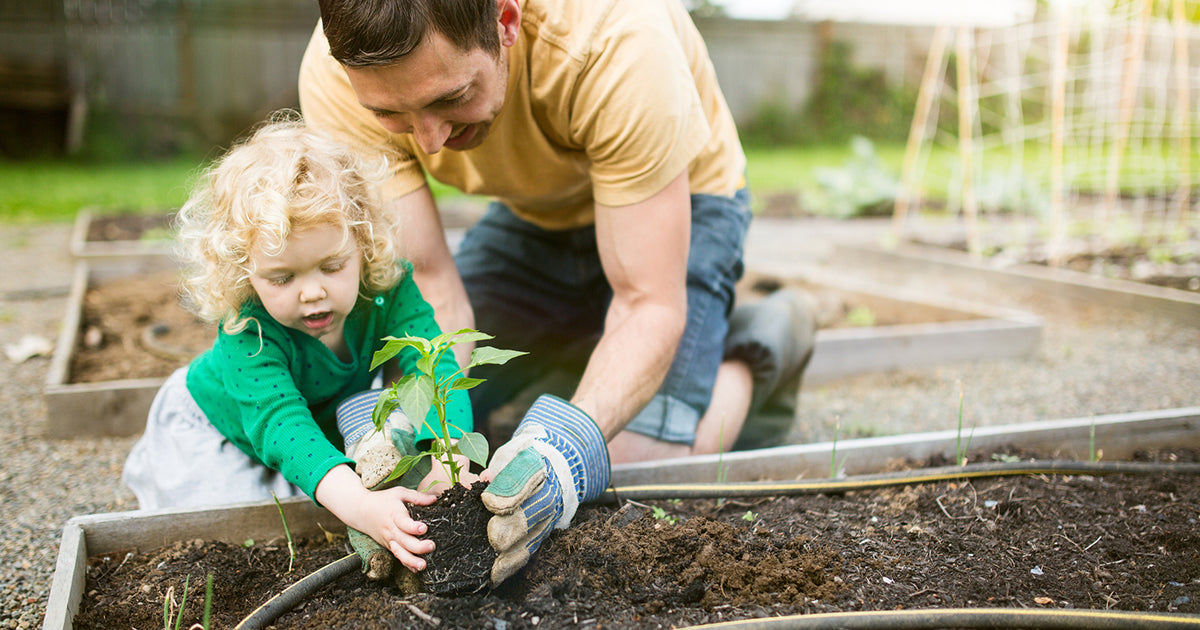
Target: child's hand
[[386, 519], [382, 515]]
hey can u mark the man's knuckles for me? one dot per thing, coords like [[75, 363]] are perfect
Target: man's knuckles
[[506, 504]]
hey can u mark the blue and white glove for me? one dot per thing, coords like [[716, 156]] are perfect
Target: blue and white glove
[[375, 454], [556, 459]]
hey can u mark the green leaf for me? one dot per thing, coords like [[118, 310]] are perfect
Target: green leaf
[[467, 335], [475, 447], [488, 355], [405, 464], [415, 392], [466, 383], [383, 408], [425, 365], [394, 345]]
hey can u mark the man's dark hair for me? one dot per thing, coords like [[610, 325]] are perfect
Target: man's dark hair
[[378, 32]]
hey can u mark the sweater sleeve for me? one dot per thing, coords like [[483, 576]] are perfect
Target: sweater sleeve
[[263, 411]]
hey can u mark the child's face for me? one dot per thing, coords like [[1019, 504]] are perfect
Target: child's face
[[312, 284]]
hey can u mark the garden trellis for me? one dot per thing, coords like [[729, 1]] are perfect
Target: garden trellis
[[1084, 122]]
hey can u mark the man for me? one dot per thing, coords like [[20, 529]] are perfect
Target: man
[[617, 237]]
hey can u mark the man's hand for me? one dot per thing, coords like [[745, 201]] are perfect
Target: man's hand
[[556, 459]]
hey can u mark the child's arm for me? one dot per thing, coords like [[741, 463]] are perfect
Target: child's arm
[[381, 515]]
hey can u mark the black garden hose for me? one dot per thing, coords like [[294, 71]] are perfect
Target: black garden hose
[[927, 619], [891, 620], [275, 607], [884, 480]]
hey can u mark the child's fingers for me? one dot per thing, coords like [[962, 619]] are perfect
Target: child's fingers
[[409, 495], [408, 558]]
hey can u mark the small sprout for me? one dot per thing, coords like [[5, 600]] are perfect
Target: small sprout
[[1007, 458], [860, 317], [749, 516], [662, 515], [248, 543]]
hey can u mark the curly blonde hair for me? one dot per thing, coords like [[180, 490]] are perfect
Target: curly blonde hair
[[285, 177]]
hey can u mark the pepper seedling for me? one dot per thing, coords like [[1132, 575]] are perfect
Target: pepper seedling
[[415, 393]]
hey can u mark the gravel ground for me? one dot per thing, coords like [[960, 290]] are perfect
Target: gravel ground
[[1090, 362]]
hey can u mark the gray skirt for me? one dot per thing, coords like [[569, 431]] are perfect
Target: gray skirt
[[183, 461]]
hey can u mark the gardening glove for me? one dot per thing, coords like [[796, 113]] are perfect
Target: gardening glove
[[556, 459], [376, 454]]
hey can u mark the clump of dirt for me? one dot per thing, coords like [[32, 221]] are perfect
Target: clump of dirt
[[461, 561]]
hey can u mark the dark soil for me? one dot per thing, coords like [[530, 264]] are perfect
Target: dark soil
[[129, 227], [461, 561], [1158, 266], [136, 327], [1113, 542]]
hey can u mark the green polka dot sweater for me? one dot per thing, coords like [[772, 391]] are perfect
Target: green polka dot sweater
[[274, 396]]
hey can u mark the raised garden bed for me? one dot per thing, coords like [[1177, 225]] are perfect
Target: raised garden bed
[[905, 330], [1023, 543], [107, 235], [1053, 283], [117, 356], [112, 361]]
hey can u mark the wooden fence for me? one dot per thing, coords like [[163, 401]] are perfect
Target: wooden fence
[[220, 65]]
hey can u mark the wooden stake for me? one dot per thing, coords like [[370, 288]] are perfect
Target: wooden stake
[[1130, 74], [930, 82], [1183, 114], [966, 139], [1058, 83]]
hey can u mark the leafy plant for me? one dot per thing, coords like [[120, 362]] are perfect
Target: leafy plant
[[415, 393], [863, 186], [749, 516]]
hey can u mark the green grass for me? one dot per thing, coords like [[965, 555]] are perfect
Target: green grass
[[792, 169], [54, 191]]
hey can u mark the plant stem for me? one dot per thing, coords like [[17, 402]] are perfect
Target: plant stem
[[182, 602], [1092, 440], [287, 532], [208, 595], [837, 428]]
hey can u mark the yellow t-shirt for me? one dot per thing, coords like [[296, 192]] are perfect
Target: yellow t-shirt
[[608, 100]]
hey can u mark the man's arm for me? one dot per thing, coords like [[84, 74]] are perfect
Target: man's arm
[[423, 242], [643, 248]]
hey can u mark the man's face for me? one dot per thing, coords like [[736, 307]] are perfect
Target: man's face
[[443, 95]]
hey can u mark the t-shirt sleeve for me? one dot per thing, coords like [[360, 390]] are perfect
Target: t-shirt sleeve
[[273, 413], [412, 315], [637, 113], [327, 100]]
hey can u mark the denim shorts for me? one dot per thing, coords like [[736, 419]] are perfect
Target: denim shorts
[[544, 292]]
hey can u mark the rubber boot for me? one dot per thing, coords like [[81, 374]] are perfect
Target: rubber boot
[[775, 336]]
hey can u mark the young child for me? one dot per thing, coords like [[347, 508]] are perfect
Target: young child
[[286, 246]]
